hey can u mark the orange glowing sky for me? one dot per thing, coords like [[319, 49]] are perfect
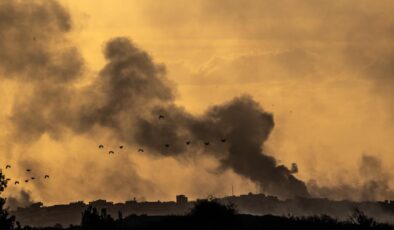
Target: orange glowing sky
[[323, 68]]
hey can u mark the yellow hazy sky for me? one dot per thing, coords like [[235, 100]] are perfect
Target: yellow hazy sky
[[324, 69]]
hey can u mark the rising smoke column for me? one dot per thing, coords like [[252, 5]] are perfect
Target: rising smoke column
[[244, 126], [132, 92], [127, 87]]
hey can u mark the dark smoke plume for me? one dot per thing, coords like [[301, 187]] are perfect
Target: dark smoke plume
[[35, 52], [127, 87], [131, 92], [244, 125], [31, 36], [21, 200]]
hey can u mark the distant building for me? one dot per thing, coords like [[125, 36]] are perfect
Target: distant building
[[99, 204], [181, 199], [77, 204], [255, 204]]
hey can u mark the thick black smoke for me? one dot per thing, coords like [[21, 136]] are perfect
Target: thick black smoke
[[126, 98], [126, 88], [235, 131]]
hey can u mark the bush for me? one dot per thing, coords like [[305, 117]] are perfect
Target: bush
[[361, 219], [92, 220], [212, 210], [7, 222]]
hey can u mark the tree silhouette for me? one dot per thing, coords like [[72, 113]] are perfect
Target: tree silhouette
[[93, 220], [6, 221], [358, 217], [212, 208], [211, 214]]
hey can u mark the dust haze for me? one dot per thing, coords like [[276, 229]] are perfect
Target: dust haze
[[304, 97]]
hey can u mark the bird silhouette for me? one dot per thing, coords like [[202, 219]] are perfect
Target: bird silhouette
[[167, 145], [46, 176], [8, 179], [188, 142], [223, 140], [140, 150], [111, 152], [7, 166], [32, 178], [121, 147], [101, 146], [206, 143], [27, 181], [16, 182], [28, 170], [161, 117]]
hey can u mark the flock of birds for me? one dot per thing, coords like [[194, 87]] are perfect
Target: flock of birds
[[16, 182], [31, 178], [165, 145]]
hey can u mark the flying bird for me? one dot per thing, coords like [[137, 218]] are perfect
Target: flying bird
[[111, 152], [206, 143], [8, 179], [167, 145], [46, 176], [101, 146], [32, 178], [16, 182], [7, 166], [26, 181], [188, 142], [140, 150], [161, 117], [223, 140], [28, 170], [121, 147]]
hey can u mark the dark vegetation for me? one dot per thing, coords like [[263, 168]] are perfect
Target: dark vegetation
[[206, 214], [210, 214], [6, 221]]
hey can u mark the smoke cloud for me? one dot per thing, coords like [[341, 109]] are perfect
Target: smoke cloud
[[373, 185], [21, 200], [48, 104], [130, 85]]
